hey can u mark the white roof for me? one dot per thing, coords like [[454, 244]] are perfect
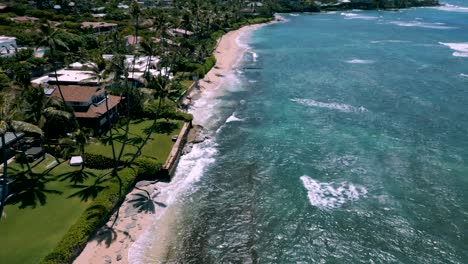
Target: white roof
[[65, 75], [6, 38], [76, 160], [40, 80], [99, 15]]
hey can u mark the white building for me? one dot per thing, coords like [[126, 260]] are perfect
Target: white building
[[79, 74], [8, 46]]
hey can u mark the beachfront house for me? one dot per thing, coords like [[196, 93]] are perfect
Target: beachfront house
[[8, 47], [99, 27], [89, 104]]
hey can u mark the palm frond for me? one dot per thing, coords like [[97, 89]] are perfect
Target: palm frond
[[22, 126], [51, 111]]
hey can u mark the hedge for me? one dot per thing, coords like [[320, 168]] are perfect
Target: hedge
[[148, 166], [95, 216], [98, 161]]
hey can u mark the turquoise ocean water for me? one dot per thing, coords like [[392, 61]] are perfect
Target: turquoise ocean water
[[341, 138]]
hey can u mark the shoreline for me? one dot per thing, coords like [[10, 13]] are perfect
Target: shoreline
[[113, 247]]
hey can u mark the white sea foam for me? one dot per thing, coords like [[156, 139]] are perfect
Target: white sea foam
[[359, 61], [463, 75], [295, 15], [388, 41], [358, 16], [421, 24], [329, 196], [333, 106], [452, 8], [254, 56], [461, 48], [189, 170], [233, 118]]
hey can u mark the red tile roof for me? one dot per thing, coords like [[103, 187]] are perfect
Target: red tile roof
[[76, 93], [97, 111]]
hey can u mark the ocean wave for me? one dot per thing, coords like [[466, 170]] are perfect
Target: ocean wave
[[334, 106], [421, 24], [463, 75], [388, 41], [329, 196], [359, 61], [254, 56], [358, 16], [452, 8], [294, 15], [233, 118], [461, 48]]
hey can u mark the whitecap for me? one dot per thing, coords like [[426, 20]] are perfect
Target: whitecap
[[254, 56], [359, 61], [461, 48], [358, 16], [463, 75], [233, 118], [421, 24], [452, 8], [294, 15], [388, 41], [329, 196], [334, 106]]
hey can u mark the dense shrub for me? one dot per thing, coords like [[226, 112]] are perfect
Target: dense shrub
[[148, 166], [98, 161], [95, 216]]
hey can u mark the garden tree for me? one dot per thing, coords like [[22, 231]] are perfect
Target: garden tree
[[9, 121], [47, 112], [51, 39], [148, 49]]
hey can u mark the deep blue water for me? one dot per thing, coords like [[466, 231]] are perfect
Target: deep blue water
[[346, 141]]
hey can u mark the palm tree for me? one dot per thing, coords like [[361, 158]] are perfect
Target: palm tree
[[147, 48], [163, 90], [8, 122], [98, 72], [51, 39]]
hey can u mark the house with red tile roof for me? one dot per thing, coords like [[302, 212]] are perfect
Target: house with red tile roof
[[89, 104]]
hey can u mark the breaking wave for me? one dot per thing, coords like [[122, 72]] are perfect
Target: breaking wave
[[452, 8], [461, 49], [358, 16], [359, 61], [334, 106], [388, 41], [421, 24], [233, 118], [329, 196]]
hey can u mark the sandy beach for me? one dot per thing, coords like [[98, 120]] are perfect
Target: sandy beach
[[111, 245]]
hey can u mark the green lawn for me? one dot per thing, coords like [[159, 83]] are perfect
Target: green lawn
[[28, 234], [158, 147]]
